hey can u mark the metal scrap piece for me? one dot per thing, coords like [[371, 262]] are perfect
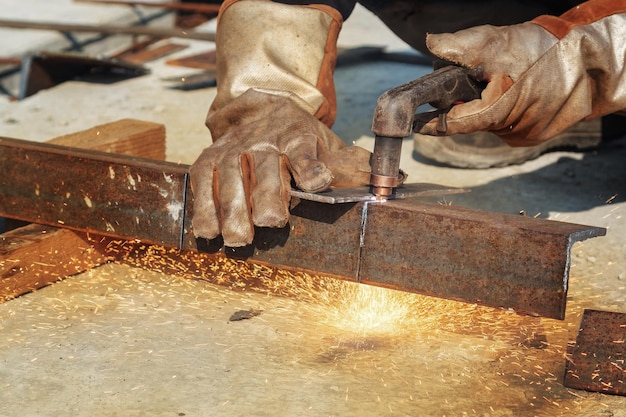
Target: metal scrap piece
[[356, 194], [598, 358]]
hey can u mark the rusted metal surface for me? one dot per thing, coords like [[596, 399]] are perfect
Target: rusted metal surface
[[320, 238], [493, 259], [598, 358], [34, 255], [92, 191]]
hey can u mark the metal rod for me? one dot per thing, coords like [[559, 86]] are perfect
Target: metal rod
[[109, 29], [191, 7]]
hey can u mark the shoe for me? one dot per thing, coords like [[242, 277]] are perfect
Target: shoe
[[486, 150]]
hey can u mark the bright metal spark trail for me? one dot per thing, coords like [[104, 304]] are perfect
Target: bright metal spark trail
[[357, 321], [350, 307]]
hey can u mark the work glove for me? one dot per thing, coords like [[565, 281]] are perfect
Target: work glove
[[543, 76], [243, 179], [270, 120]]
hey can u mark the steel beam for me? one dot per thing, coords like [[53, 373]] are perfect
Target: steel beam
[[36, 255], [493, 259], [92, 191], [476, 256]]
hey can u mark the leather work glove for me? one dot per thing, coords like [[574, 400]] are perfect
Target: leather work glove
[[543, 76], [243, 179], [270, 120]]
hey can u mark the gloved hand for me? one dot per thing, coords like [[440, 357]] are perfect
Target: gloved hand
[[270, 119], [544, 76], [244, 178]]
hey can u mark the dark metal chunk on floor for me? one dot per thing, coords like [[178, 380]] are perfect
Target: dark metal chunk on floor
[[244, 314], [598, 358]]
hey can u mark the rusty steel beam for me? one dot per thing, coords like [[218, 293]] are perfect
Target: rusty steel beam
[[92, 191], [35, 255], [597, 361], [493, 259], [470, 255]]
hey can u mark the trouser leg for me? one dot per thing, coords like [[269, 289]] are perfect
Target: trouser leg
[[412, 20]]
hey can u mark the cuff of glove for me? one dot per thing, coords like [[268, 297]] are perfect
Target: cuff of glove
[[278, 49], [584, 14]]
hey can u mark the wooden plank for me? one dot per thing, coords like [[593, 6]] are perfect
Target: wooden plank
[[127, 137], [34, 256]]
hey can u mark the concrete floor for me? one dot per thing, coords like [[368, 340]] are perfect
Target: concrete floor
[[120, 340]]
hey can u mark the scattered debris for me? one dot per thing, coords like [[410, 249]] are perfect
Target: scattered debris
[[47, 69], [536, 341], [190, 82]]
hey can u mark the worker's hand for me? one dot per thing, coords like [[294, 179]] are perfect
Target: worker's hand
[[264, 142], [539, 83], [508, 56]]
